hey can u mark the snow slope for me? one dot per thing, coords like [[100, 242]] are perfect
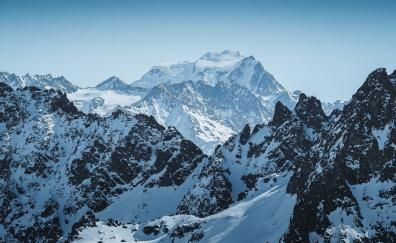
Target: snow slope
[[101, 101], [262, 219]]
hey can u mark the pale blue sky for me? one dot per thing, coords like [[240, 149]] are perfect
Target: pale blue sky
[[323, 48]]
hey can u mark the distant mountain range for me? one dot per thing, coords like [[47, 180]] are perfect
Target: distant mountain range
[[40, 81], [207, 100]]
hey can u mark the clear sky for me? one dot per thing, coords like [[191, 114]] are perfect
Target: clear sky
[[324, 48]]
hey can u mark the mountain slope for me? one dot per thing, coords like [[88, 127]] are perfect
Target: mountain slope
[[204, 114], [227, 66], [225, 91], [106, 97], [61, 169], [354, 157]]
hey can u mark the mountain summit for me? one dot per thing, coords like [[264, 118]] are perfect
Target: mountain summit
[[213, 67], [212, 98], [113, 83]]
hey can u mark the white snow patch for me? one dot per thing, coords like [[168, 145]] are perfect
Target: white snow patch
[[381, 135]]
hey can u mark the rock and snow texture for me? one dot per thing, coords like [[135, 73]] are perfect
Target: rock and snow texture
[[261, 219], [328, 178], [41, 81], [225, 96], [61, 169], [346, 187], [211, 99], [205, 114], [227, 66], [102, 102], [303, 176], [106, 97]]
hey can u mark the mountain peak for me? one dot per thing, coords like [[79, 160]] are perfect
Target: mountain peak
[[378, 75], [244, 135], [29, 76], [113, 83], [309, 109], [222, 54], [374, 100], [115, 79], [219, 59], [377, 81], [281, 114]]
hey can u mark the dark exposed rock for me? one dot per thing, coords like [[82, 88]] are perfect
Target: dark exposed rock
[[347, 154], [4, 88], [245, 134], [61, 103], [309, 109], [250, 180], [281, 115], [148, 230], [180, 231], [87, 160], [88, 220]]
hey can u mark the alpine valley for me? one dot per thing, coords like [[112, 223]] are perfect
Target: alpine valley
[[214, 150]]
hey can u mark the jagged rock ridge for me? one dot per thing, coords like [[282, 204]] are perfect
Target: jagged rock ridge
[[304, 177]]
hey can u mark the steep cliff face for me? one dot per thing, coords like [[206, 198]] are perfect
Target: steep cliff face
[[347, 183]]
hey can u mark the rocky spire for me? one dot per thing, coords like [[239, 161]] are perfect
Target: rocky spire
[[281, 114], [374, 101], [245, 134], [309, 109]]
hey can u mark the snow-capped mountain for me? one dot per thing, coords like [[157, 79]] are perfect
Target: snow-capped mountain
[[303, 177], [212, 98], [116, 84], [227, 66], [41, 81], [113, 83], [209, 116]]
